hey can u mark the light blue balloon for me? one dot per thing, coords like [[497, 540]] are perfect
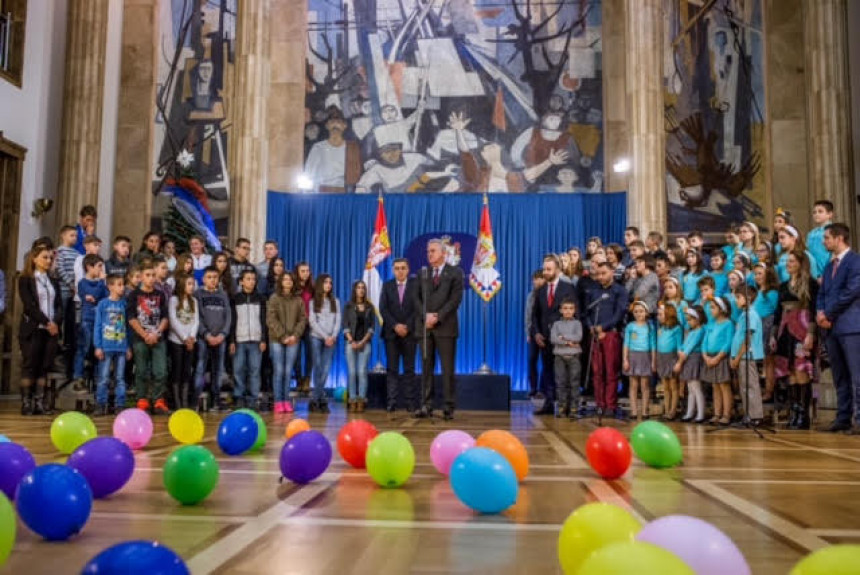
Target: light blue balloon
[[484, 480]]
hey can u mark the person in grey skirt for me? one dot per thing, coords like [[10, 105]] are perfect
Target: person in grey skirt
[[566, 339], [715, 352], [670, 336], [640, 357], [689, 365]]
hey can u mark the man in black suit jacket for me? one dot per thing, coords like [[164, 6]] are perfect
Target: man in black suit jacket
[[439, 295], [397, 306], [545, 313]]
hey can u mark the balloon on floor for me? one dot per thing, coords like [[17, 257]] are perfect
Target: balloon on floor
[[634, 557], [137, 558], [186, 426], [390, 459], [702, 546], [190, 474], [608, 452], [483, 480], [656, 444], [133, 427], [262, 431], [447, 446], [511, 448], [843, 559], [7, 529], [54, 501], [70, 430], [305, 456], [591, 527], [15, 462], [237, 433], [296, 426], [353, 440], [105, 462]]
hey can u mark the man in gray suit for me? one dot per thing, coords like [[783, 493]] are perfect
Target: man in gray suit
[[437, 328]]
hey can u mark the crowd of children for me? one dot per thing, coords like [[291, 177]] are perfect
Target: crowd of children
[[695, 321]]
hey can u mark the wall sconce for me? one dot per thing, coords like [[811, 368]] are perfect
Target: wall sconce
[[41, 207]]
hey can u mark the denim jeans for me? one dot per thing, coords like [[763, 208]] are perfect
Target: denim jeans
[[103, 374], [283, 360], [83, 341], [246, 370], [322, 364], [204, 352], [150, 369], [356, 363]]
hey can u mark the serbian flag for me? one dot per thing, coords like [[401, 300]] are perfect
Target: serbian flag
[[377, 268], [484, 278]]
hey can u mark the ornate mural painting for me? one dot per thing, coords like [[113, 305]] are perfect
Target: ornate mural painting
[[714, 114], [454, 96]]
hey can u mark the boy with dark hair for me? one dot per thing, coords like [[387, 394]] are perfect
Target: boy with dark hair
[[91, 290], [215, 320], [65, 264], [120, 257], [822, 216], [566, 339], [696, 240], [248, 338], [631, 234], [86, 227], [162, 273], [147, 315], [654, 244], [111, 345], [239, 262]]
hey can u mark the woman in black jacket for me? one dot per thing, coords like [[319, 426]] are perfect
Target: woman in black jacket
[[359, 323], [38, 332]]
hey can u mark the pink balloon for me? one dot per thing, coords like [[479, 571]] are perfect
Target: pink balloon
[[706, 549], [133, 427], [447, 446]]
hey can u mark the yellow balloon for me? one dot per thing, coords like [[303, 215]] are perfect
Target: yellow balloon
[[636, 557], [186, 426], [833, 560], [591, 527]]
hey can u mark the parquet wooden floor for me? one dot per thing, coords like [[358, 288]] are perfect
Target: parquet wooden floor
[[778, 498]]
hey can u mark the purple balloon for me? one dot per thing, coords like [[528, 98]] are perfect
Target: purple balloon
[[15, 463], [305, 456], [706, 549], [106, 462]]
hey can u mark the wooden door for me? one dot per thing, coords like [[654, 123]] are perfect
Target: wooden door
[[11, 171]]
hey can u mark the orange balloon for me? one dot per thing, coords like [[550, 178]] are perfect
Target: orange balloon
[[509, 447], [297, 426]]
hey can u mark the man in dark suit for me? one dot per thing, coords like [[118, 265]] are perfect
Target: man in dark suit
[[838, 314], [546, 312], [397, 306], [439, 295]]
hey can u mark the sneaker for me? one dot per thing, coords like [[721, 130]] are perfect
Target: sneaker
[[287, 407], [161, 407], [143, 404], [279, 407], [324, 407]]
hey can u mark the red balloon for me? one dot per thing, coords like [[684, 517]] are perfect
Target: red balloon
[[353, 439], [608, 452]]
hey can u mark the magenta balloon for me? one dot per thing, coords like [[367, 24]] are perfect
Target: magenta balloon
[[133, 427], [706, 549], [447, 446]]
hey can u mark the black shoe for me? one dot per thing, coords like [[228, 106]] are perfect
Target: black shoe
[[547, 409], [686, 419], [620, 415], [838, 426], [448, 414], [323, 407], [421, 413], [700, 421], [312, 407]]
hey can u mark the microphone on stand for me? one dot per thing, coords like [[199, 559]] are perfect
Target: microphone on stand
[[598, 301]]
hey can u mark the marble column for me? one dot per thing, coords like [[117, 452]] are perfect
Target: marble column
[[80, 140], [250, 146], [646, 197], [828, 97]]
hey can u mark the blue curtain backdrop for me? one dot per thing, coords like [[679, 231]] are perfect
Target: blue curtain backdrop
[[332, 233]]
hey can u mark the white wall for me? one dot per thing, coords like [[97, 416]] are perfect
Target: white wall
[[31, 116]]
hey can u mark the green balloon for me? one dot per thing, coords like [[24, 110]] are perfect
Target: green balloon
[[834, 560], [7, 529], [390, 459], [262, 432], [656, 444], [190, 474], [636, 557], [70, 430]]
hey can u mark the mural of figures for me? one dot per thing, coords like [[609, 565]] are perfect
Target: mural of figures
[[196, 56], [454, 96], [714, 113]]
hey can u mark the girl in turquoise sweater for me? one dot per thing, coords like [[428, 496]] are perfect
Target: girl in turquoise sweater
[[689, 365], [640, 357], [669, 339], [715, 352], [765, 305]]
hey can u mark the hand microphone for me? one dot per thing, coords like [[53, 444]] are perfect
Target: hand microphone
[[598, 301]]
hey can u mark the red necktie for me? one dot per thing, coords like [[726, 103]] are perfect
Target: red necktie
[[551, 298], [835, 267], [436, 276]]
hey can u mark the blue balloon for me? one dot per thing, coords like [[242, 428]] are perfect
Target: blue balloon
[[237, 433], [484, 480], [54, 501], [136, 558], [106, 462], [15, 463]]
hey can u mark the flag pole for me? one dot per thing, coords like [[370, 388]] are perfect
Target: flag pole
[[485, 367], [378, 367]]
